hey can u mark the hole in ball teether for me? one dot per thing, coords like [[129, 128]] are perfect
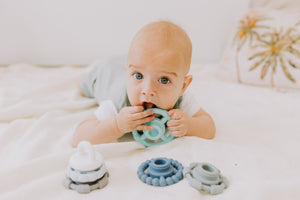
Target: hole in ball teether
[[208, 168], [158, 116], [140, 132]]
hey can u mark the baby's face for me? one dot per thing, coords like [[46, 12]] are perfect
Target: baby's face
[[156, 77]]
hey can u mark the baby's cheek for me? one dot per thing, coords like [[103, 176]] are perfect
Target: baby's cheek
[[170, 103]]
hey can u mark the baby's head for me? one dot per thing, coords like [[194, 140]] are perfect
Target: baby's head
[[158, 62]]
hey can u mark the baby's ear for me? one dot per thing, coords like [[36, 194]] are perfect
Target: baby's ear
[[187, 81]]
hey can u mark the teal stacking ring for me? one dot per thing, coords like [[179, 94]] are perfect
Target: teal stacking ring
[[158, 134]]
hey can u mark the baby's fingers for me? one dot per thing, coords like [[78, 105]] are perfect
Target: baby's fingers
[[135, 109], [178, 133], [174, 123], [145, 120], [142, 115], [176, 114], [176, 128], [144, 127]]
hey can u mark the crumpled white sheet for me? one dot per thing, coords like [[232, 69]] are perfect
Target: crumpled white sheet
[[256, 145]]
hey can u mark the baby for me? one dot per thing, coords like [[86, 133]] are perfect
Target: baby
[[157, 69]]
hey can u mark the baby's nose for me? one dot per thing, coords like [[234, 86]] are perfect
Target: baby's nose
[[146, 93], [148, 90]]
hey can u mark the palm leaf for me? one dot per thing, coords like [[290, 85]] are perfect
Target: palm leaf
[[286, 72], [255, 65], [293, 64], [262, 26], [259, 54], [274, 63], [264, 69], [288, 32], [267, 34], [242, 42], [242, 21], [297, 39], [294, 51], [257, 35], [264, 41], [258, 45]]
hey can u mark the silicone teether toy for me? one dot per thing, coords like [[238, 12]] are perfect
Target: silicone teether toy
[[86, 170], [158, 134], [204, 176], [160, 171]]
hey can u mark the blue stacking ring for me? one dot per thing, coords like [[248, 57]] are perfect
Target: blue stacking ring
[[160, 172]]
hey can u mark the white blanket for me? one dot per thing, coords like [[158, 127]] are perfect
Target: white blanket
[[256, 145]]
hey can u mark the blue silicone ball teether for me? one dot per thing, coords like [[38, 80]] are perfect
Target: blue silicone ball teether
[[160, 172], [158, 134]]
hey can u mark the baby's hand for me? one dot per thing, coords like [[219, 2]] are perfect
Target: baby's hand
[[133, 118], [178, 125]]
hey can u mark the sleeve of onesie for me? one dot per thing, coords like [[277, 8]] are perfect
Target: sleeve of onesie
[[106, 110], [107, 81], [190, 104], [87, 84]]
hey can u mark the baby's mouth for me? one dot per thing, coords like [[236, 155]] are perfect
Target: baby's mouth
[[148, 105]]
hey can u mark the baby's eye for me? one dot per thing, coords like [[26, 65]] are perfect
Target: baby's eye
[[164, 80], [138, 76]]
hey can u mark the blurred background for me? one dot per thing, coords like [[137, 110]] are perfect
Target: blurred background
[[56, 32]]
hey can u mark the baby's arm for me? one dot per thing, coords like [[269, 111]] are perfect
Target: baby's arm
[[200, 124], [108, 130], [95, 131]]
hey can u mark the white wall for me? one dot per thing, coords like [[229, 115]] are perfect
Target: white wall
[[78, 31]]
